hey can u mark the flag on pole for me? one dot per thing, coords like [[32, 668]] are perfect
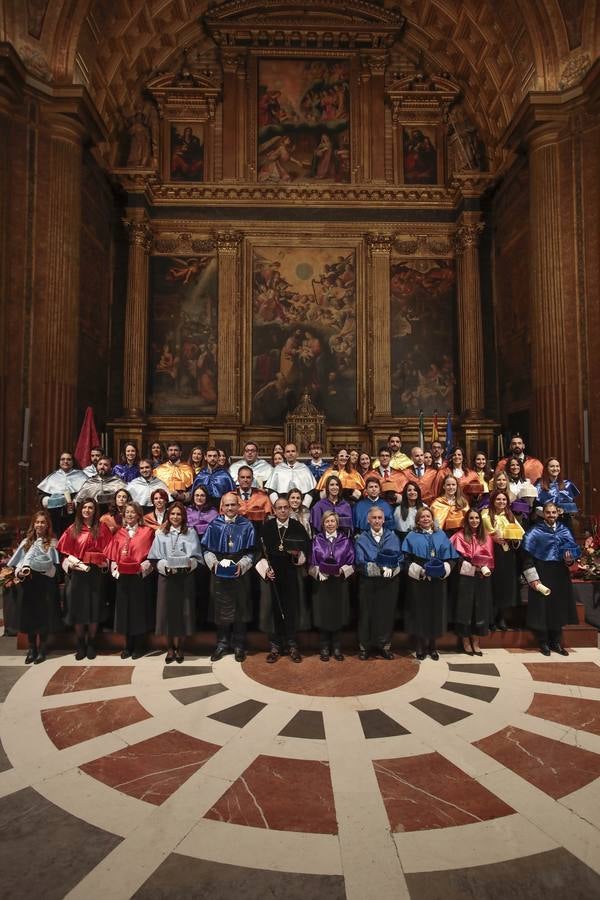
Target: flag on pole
[[421, 430], [88, 438], [435, 434], [449, 436]]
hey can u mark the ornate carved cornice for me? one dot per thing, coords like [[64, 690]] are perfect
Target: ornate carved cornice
[[281, 24], [466, 237], [186, 94], [282, 195], [182, 243], [425, 245], [421, 97]]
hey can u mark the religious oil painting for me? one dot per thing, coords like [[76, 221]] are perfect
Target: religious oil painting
[[304, 332], [420, 155], [422, 336], [187, 152], [183, 349], [303, 120]]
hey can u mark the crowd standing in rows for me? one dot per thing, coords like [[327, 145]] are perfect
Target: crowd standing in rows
[[427, 538]]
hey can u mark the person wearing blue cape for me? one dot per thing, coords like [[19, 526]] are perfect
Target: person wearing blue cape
[[562, 491], [372, 498], [228, 547], [429, 553], [377, 560], [549, 548], [215, 480]]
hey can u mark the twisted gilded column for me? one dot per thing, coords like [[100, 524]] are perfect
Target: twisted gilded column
[[229, 337], [59, 336], [378, 349], [470, 326], [548, 310], [136, 319]]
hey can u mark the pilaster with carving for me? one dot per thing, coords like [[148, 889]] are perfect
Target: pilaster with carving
[[234, 114], [229, 325], [378, 350], [136, 319], [59, 339], [469, 319], [373, 103]]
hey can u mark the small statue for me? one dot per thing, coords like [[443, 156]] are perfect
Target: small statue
[[140, 143]]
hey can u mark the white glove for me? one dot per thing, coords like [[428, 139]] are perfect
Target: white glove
[[387, 573], [485, 571], [146, 568], [114, 570], [372, 569], [301, 559], [416, 571], [193, 564], [356, 494], [447, 569], [323, 576], [262, 566], [347, 571], [467, 568], [161, 565]]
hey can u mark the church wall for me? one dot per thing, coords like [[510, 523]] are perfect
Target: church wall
[[511, 273], [96, 291]]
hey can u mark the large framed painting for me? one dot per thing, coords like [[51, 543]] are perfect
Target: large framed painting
[[303, 332], [422, 336], [186, 152], [303, 118], [183, 335], [421, 154]]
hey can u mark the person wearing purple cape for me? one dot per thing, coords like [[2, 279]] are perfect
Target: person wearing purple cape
[[332, 502], [331, 564]]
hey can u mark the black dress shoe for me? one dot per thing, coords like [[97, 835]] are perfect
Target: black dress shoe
[[434, 655], [295, 655], [40, 658], [468, 652], [501, 625], [557, 648], [363, 655], [478, 652], [80, 654], [338, 655], [170, 657], [137, 654], [91, 651], [386, 654], [420, 655], [31, 655], [324, 654], [492, 627], [218, 654], [272, 656], [240, 654], [126, 653], [545, 649]]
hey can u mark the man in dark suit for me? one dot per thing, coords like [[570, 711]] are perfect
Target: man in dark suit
[[285, 546]]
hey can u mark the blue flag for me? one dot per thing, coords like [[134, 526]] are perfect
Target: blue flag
[[449, 436]]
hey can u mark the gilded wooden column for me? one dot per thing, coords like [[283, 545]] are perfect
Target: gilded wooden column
[[229, 326], [234, 115], [136, 319], [548, 310], [59, 335], [378, 357], [376, 63], [470, 328]]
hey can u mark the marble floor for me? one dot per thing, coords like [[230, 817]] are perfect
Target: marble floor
[[464, 778]]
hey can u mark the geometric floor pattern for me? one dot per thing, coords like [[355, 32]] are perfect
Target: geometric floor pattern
[[449, 779]]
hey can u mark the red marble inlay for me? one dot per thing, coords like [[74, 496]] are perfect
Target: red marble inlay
[[154, 769], [285, 794], [573, 711], [428, 791], [584, 674], [70, 725], [333, 679], [553, 767], [68, 679]]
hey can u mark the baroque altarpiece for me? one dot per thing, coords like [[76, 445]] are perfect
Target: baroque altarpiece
[[304, 211]]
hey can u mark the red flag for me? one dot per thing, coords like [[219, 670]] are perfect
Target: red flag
[[88, 438]]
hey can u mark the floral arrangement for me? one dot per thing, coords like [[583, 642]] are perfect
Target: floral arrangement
[[588, 566]]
